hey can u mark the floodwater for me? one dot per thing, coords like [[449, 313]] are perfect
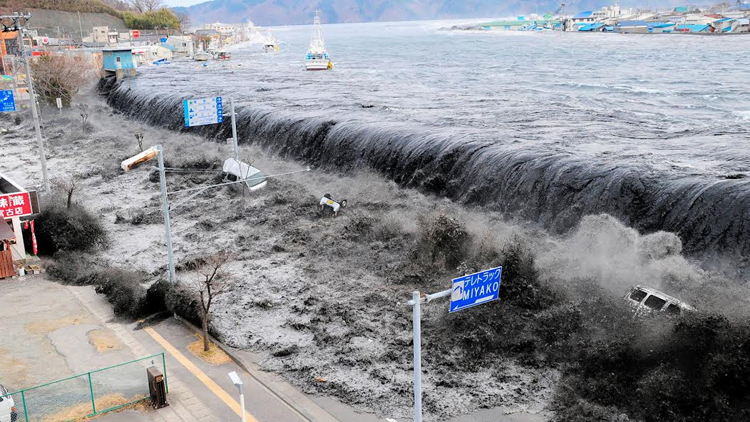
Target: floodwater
[[653, 129]]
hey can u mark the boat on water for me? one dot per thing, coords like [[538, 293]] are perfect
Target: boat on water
[[270, 46], [223, 55], [317, 55], [202, 56]]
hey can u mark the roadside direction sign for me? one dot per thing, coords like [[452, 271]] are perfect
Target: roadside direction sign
[[203, 111], [475, 289], [7, 102]]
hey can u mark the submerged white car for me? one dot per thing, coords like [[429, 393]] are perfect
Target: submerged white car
[[7, 406], [645, 300]]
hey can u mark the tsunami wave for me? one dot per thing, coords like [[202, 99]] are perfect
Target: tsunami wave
[[554, 188]]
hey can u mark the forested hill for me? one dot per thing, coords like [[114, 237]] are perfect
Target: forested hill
[[83, 6], [282, 12]]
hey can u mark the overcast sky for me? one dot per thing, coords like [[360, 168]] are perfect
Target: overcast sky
[[183, 2]]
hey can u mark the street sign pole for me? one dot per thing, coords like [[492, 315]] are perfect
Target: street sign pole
[[234, 130], [467, 291], [417, 321], [165, 211]]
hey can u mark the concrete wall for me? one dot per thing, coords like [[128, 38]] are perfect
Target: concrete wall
[[47, 21]]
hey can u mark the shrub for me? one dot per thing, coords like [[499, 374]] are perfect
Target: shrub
[[74, 229], [124, 290], [60, 77]]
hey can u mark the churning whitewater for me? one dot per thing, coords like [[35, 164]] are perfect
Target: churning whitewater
[[550, 127]]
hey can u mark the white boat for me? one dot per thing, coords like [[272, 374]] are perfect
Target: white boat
[[270, 46], [202, 56], [317, 56]]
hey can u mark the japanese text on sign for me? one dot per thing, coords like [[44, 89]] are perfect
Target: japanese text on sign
[[15, 205], [203, 111], [475, 289]]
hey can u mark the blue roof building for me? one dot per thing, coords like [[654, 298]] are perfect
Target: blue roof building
[[119, 61]]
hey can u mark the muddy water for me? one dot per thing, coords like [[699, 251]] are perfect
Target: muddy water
[[654, 130]]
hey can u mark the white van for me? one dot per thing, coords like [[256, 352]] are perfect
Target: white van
[[645, 301], [7, 406]]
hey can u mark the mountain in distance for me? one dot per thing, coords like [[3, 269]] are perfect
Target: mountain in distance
[[290, 12]]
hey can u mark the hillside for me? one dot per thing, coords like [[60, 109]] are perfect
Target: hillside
[[47, 21], [283, 12], [83, 6]]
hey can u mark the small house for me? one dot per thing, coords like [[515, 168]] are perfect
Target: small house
[[183, 46], [15, 203], [119, 61]]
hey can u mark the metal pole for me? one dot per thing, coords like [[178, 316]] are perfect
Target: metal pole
[[80, 28], [34, 111], [165, 211], [234, 131], [242, 401], [164, 365], [416, 316], [23, 400], [91, 389]]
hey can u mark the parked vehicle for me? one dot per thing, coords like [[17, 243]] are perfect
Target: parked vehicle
[[7, 406], [648, 301]]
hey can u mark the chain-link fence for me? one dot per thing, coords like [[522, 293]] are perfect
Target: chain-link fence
[[83, 395]]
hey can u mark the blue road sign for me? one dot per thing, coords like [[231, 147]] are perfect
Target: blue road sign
[[203, 111], [7, 102], [162, 39], [475, 289]]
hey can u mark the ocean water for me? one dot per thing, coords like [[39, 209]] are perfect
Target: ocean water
[[653, 129]]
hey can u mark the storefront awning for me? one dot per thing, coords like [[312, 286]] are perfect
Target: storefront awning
[[5, 231]]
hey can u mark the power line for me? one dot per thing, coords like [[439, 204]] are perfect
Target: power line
[[238, 181]]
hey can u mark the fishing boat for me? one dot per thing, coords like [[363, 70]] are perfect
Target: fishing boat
[[202, 56], [270, 46], [317, 56]]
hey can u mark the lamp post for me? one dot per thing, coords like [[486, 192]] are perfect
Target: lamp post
[[240, 386]]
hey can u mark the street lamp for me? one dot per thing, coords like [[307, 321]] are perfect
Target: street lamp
[[238, 383]]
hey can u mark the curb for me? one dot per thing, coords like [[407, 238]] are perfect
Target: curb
[[310, 412]]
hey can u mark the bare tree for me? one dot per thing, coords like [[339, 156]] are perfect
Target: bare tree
[[144, 6], [67, 185], [184, 20], [212, 284], [60, 76]]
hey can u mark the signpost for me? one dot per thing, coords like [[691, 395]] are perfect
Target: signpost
[[209, 111], [466, 292], [7, 101], [135, 33]]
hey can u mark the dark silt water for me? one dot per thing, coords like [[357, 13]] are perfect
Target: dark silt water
[[653, 129]]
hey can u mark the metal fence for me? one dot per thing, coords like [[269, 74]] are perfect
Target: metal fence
[[84, 395]]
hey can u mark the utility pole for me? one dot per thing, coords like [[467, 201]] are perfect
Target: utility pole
[[18, 22], [80, 28], [165, 205], [235, 141]]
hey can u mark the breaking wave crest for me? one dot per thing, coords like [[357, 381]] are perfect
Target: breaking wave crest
[[553, 188]]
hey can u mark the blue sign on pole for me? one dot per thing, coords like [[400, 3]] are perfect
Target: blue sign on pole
[[162, 39], [203, 111], [475, 289], [7, 101]]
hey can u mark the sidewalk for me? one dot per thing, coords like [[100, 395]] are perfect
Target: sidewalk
[[198, 391]]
